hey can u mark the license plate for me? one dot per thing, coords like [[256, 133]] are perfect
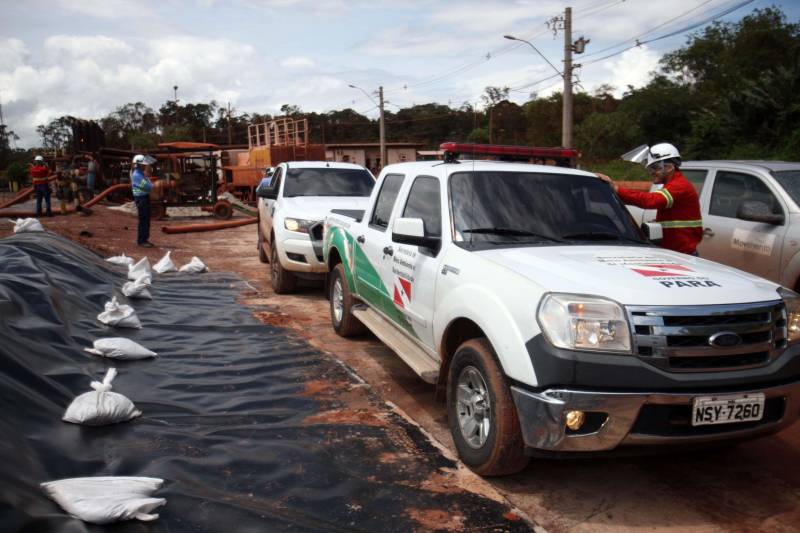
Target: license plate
[[727, 409]]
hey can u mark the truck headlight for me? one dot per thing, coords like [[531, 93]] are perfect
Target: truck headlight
[[298, 224], [577, 322], [792, 301]]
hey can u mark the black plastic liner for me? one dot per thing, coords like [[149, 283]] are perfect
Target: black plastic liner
[[223, 406]]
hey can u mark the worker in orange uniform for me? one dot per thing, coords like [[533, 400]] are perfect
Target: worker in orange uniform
[[41, 185], [677, 202]]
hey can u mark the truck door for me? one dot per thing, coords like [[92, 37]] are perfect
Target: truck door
[[266, 206], [751, 246], [414, 270], [372, 239]]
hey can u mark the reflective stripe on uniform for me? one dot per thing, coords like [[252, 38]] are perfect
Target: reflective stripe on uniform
[[681, 223], [667, 196]]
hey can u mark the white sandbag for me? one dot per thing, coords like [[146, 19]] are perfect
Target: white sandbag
[[27, 225], [195, 266], [119, 348], [165, 264], [138, 288], [122, 260], [119, 315], [141, 268], [103, 500], [101, 407]]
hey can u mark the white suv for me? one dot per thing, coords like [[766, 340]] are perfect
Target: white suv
[[291, 210]]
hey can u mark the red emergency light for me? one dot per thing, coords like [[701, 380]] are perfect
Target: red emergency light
[[499, 150]]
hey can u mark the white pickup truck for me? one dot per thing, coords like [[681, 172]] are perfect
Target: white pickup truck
[[528, 296], [291, 208]]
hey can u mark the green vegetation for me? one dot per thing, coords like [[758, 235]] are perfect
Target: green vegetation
[[618, 170]]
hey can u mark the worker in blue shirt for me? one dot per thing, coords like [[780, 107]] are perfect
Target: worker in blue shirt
[[141, 185]]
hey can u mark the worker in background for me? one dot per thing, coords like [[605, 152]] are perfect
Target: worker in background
[[677, 204], [141, 185], [91, 174], [41, 184], [63, 190]]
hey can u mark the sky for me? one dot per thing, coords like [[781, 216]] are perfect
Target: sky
[[85, 58]]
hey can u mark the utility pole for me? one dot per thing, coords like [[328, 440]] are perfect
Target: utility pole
[[175, 90], [229, 124], [566, 118], [383, 128]]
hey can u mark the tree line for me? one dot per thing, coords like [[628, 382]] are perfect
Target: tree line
[[732, 91]]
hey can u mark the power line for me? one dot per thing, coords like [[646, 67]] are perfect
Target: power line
[[640, 35], [676, 32]]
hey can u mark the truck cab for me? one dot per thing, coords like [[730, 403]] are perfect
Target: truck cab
[[527, 297]]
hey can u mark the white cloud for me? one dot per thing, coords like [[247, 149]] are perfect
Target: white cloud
[[298, 62], [13, 53], [108, 9], [632, 67]]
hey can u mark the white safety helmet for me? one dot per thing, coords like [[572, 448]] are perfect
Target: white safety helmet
[[39, 159], [648, 155], [663, 152], [140, 159]]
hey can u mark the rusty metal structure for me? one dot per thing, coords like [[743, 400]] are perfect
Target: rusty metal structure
[[187, 176], [271, 143]]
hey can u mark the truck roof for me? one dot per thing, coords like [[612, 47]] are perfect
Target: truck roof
[[322, 164], [745, 164], [441, 167]]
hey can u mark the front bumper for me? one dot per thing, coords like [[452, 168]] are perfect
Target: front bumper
[[301, 255], [639, 418]]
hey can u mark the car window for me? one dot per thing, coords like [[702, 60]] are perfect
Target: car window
[[424, 202], [731, 189], [696, 177], [385, 200], [790, 181], [276, 180], [328, 181]]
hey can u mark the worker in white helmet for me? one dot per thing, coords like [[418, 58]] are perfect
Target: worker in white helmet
[[677, 202], [40, 179], [141, 185]]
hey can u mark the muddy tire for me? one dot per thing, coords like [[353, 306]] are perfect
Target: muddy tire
[[262, 255], [481, 412], [341, 302], [283, 281]]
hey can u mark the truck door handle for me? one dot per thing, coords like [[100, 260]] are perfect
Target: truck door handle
[[361, 239], [708, 231], [387, 250]]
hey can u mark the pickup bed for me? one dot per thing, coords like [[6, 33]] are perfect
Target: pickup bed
[[526, 296]]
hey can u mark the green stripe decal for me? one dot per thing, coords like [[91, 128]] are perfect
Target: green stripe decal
[[681, 223]]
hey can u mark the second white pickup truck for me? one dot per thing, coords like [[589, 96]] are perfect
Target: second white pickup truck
[[527, 294]]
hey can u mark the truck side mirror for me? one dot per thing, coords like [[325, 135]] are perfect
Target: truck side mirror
[[756, 211], [269, 193], [412, 231], [653, 231]]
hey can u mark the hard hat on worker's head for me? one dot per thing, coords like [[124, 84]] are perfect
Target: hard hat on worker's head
[[663, 152], [140, 159], [39, 159]]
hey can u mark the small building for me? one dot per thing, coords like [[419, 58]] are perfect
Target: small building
[[368, 154]]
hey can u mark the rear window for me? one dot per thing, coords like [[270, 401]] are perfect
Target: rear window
[[328, 182], [790, 181]]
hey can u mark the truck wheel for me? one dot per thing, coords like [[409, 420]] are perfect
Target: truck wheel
[[341, 302], [283, 281], [262, 255], [481, 412]]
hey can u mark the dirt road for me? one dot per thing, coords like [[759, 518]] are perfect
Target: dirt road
[[750, 487]]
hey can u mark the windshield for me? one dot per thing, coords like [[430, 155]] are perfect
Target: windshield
[[328, 182], [507, 208], [790, 181]]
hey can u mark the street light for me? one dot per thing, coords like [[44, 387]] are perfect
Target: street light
[[566, 98], [512, 38], [382, 124]]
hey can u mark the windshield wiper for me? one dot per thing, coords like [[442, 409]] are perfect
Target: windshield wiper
[[512, 233], [600, 236]]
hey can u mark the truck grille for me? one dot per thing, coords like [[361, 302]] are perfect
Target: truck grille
[[679, 338]]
